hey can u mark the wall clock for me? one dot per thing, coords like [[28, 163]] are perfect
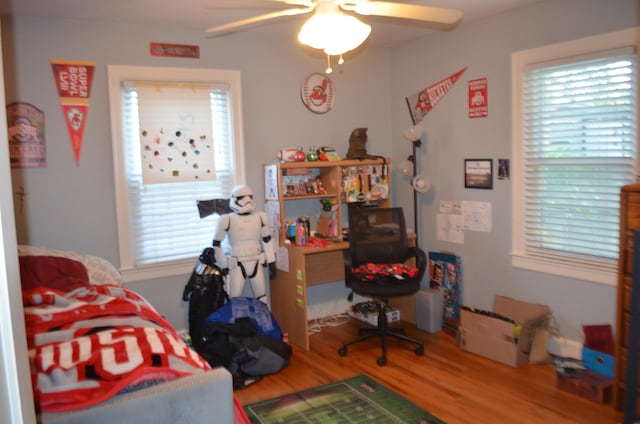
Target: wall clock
[[318, 93]]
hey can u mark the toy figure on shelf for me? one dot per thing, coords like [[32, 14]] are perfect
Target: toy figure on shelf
[[251, 246], [327, 225]]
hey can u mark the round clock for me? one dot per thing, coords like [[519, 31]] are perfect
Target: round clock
[[317, 93]]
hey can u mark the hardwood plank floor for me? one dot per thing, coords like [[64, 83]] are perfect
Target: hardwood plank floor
[[456, 386]]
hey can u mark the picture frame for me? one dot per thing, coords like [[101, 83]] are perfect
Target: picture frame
[[478, 173]]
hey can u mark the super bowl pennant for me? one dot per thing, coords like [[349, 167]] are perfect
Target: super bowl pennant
[[73, 81], [422, 102]]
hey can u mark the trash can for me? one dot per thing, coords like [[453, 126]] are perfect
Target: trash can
[[429, 310]]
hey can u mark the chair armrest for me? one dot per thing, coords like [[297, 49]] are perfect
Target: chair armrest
[[348, 267], [420, 259]]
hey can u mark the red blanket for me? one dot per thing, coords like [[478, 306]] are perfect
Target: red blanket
[[91, 343]]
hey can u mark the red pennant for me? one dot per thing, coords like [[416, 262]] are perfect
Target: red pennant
[[73, 81], [421, 103], [75, 116]]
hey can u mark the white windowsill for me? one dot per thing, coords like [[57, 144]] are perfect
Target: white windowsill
[[593, 273]]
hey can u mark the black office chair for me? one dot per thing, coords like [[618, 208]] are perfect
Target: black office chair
[[379, 236]]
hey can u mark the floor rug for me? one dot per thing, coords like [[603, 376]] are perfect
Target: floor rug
[[360, 399]]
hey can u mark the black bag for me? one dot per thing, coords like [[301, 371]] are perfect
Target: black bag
[[205, 293], [241, 349]]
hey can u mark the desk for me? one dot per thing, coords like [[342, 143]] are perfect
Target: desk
[[310, 266]]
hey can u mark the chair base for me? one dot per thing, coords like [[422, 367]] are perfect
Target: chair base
[[383, 331]]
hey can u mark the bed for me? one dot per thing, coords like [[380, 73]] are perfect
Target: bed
[[100, 353]]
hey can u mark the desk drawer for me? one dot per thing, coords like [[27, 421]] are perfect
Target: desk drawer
[[325, 267]]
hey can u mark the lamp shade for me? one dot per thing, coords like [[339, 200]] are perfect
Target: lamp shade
[[333, 31], [405, 167], [413, 133]]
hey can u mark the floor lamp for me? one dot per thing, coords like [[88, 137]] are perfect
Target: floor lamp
[[413, 134]]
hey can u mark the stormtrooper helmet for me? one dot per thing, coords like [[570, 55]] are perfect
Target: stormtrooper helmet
[[241, 201]]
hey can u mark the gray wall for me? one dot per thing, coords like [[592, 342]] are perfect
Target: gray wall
[[72, 207]]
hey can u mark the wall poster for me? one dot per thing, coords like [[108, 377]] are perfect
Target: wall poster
[[27, 147]]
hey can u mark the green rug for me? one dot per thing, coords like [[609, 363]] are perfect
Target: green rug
[[356, 400]]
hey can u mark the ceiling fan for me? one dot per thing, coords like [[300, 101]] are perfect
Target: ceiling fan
[[435, 15]]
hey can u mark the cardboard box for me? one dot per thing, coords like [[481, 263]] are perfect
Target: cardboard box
[[587, 384], [393, 315], [501, 340]]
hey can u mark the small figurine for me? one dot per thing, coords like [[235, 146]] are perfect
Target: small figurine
[[319, 187], [251, 246], [357, 145]]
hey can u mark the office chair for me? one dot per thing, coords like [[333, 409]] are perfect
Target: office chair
[[378, 236]]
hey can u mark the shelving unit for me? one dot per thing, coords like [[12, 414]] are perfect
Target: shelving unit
[[298, 188], [292, 190]]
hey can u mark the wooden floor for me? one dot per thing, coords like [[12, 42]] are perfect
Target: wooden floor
[[456, 386]]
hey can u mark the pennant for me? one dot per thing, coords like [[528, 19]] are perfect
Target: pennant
[[73, 82], [421, 103]]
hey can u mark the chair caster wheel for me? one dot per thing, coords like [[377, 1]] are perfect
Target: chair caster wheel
[[420, 350], [342, 351], [382, 361]]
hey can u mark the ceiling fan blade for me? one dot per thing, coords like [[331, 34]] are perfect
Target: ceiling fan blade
[[259, 18], [405, 11]]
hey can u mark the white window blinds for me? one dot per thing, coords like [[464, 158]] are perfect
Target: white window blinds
[[163, 215], [579, 147]]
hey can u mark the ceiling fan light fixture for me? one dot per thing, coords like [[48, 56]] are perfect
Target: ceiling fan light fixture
[[332, 31]]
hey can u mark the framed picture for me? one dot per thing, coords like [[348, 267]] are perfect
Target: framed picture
[[478, 173]]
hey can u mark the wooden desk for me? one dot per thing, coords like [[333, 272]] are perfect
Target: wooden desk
[[310, 266]]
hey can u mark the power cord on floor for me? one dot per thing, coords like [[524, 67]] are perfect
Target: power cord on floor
[[316, 325]]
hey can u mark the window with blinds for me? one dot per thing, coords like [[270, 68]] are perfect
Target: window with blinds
[[576, 147], [179, 143]]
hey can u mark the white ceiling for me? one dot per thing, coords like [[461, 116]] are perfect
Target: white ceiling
[[202, 14]]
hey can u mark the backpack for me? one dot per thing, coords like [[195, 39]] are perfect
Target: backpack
[[257, 311], [205, 293], [243, 351]]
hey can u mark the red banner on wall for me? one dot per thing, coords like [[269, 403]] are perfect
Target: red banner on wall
[[478, 98], [73, 81], [422, 102]]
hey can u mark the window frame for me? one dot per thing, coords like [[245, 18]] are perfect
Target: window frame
[[117, 74], [604, 272]]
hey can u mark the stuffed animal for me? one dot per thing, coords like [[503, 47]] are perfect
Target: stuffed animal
[[357, 145]]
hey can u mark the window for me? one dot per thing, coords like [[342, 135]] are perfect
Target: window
[[177, 139], [574, 147]]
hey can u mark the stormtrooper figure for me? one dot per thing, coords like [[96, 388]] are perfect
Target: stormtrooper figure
[[251, 246]]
